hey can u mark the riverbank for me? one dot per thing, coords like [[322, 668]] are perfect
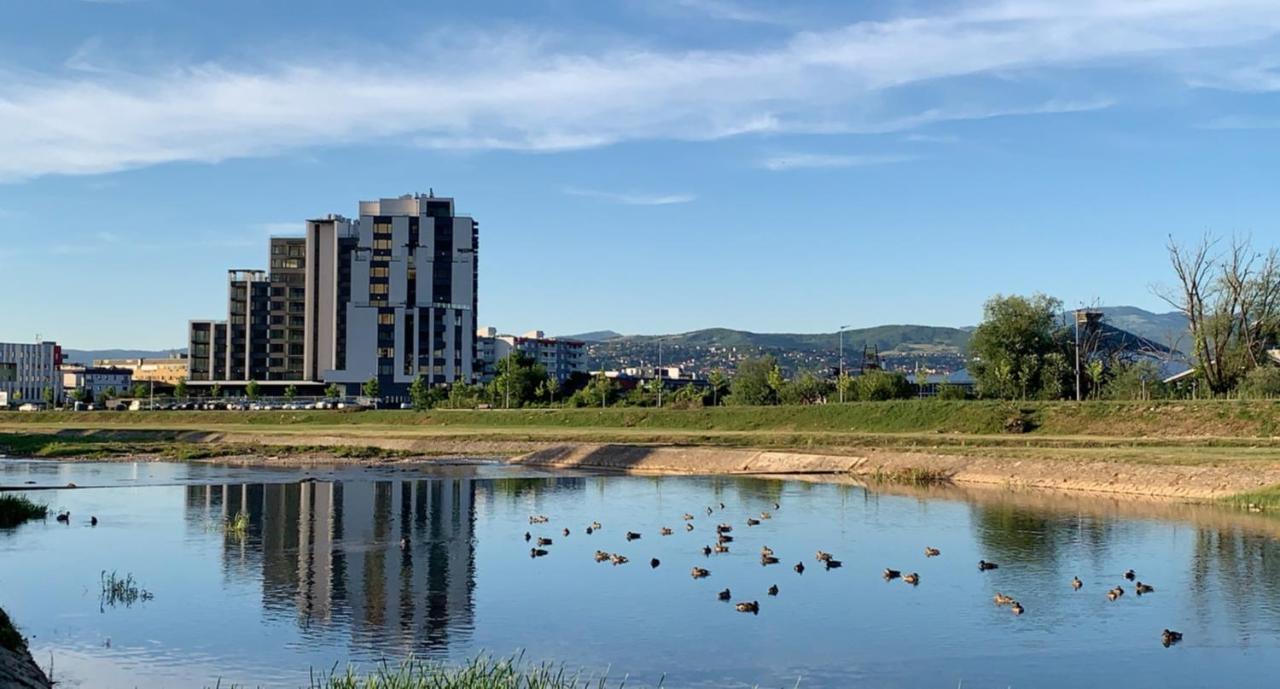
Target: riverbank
[[1210, 450], [17, 668]]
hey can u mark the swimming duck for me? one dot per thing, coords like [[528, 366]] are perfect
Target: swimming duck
[[544, 541], [912, 578], [706, 550], [699, 573], [93, 521], [832, 564], [1169, 637], [720, 548], [1141, 588], [566, 532], [601, 556], [1076, 583], [654, 562], [891, 574], [1016, 608], [768, 560], [665, 531], [766, 515], [527, 536], [823, 556], [538, 519], [589, 531], [536, 552], [1130, 575], [722, 505], [724, 595], [710, 511], [766, 550], [776, 506], [753, 607], [688, 527], [724, 538], [1115, 593], [752, 522], [687, 517], [619, 559], [723, 528], [64, 517], [983, 565], [932, 552], [631, 535], [1001, 599], [773, 590], [799, 568], [596, 526]]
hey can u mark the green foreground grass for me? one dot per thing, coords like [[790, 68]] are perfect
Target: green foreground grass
[[481, 672], [10, 639], [16, 509]]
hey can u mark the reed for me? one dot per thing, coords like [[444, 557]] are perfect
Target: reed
[[16, 509]]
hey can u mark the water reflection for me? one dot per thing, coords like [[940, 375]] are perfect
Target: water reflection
[[330, 555]]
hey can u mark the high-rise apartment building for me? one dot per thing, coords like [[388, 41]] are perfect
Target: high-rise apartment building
[[391, 295], [28, 370]]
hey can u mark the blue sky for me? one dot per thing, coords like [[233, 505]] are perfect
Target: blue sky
[[646, 166]]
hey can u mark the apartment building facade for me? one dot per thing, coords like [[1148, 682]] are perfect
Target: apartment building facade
[[160, 370], [96, 380], [27, 370], [390, 295], [561, 357]]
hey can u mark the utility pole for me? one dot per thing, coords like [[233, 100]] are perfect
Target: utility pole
[[1077, 319], [661, 383], [840, 377], [152, 403]]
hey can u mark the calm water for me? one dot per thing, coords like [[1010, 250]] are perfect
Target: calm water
[[320, 578]]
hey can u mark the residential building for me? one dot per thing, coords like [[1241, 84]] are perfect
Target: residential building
[[96, 380], [167, 370], [391, 295], [561, 357], [28, 370]]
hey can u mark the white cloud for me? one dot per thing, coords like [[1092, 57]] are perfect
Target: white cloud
[[519, 93], [278, 228], [632, 198], [795, 161], [730, 10]]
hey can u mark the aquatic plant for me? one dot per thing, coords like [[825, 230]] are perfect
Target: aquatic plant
[[117, 590], [912, 476], [237, 525], [481, 672], [16, 509]]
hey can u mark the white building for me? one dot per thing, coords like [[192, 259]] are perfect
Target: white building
[[561, 357], [27, 370], [95, 380]]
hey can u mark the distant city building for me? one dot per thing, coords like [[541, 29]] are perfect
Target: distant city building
[[167, 370], [561, 357], [27, 370], [391, 295], [96, 380]]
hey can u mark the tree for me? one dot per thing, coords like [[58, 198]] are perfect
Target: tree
[[1136, 380], [48, 395], [81, 395], [252, 390], [463, 396], [139, 390], [752, 382], [1017, 350], [180, 388], [600, 392], [718, 384], [372, 388], [805, 388], [333, 392], [552, 387], [517, 382], [215, 391], [1262, 382], [109, 393], [877, 386], [1231, 300], [291, 392], [420, 393]]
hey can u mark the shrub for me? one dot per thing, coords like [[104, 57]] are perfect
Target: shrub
[[1260, 383]]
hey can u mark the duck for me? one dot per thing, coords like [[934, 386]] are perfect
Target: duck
[[724, 538], [776, 506], [710, 511], [566, 531], [1115, 593], [688, 527], [1169, 637], [64, 517], [631, 535], [773, 590], [891, 574], [724, 595], [706, 550], [932, 552], [601, 556], [1129, 574], [404, 543], [766, 515], [1141, 588], [723, 528], [619, 559], [1001, 599], [654, 562], [538, 519], [590, 531], [720, 548], [596, 526], [544, 541], [93, 521], [1076, 583], [912, 578], [823, 556], [799, 568], [983, 565], [700, 573], [832, 564], [766, 550], [527, 536], [537, 552], [753, 607], [665, 531], [1016, 608], [768, 560], [722, 505], [687, 517], [752, 522]]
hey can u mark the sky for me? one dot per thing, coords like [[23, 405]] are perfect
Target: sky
[[646, 166]]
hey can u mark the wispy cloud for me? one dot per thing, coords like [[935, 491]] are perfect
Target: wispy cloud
[[731, 10], [274, 228], [522, 93], [631, 198], [1243, 122], [796, 161]]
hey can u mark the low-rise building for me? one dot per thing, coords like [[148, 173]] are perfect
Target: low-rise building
[[168, 370], [96, 380], [561, 357], [28, 370]]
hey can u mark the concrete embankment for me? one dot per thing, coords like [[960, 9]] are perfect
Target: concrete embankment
[[1171, 481], [18, 670]]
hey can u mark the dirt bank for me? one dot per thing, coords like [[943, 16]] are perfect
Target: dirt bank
[[1162, 480], [18, 670]]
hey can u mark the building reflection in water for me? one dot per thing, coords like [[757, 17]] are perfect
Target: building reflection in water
[[330, 554]]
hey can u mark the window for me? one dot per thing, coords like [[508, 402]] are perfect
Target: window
[[378, 288], [382, 245], [386, 319], [380, 272], [382, 229]]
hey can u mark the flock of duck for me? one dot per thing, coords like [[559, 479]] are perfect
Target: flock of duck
[[724, 537], [64, 517]]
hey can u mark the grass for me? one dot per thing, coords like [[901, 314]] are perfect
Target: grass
[[16, 509], [237, 525], [118, 590], [913, 476], [1264, 499], [10, 639], [163, 445], [481, 672]]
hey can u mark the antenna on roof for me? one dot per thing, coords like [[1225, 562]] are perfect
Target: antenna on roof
[[431, 193]]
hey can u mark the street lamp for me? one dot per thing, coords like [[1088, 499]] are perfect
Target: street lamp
[[840, 378]]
